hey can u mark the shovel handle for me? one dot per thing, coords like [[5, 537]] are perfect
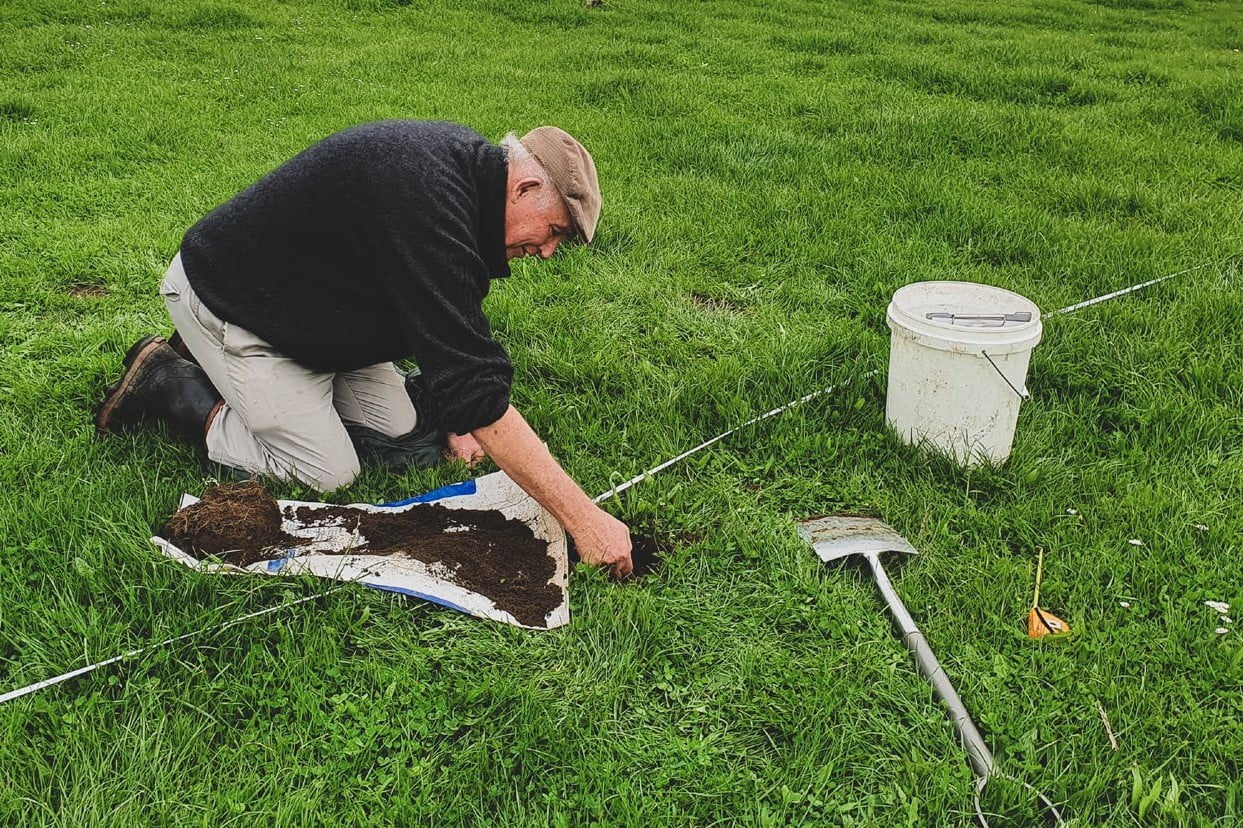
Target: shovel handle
[[977, 752]]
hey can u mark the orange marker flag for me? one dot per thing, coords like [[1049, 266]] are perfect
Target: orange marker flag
[[1041, 623]]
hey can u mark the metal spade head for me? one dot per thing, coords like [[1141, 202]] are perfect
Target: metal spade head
[[834, 537]]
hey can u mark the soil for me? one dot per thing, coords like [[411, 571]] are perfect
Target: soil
[[235, 522], [483, 551], [87, 290], [646, 553]]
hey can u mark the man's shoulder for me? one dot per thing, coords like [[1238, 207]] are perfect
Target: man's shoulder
[[429, 134], [387, 153]]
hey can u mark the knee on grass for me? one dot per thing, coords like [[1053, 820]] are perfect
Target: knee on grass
[[326, 480]]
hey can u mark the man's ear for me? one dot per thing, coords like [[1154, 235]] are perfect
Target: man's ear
[[525, 185]]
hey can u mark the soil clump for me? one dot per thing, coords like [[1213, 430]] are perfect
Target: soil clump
[[235, 522]]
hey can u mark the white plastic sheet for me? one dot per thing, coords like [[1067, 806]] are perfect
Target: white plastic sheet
[[331, 554]]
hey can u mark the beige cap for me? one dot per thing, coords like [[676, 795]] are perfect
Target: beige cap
[[573, 173]]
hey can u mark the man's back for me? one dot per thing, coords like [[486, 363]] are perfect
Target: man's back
[[362, 247]]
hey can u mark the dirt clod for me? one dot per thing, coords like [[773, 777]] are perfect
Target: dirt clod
[[234, 522]]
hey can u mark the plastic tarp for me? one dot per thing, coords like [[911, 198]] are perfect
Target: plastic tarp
[[332, 555]]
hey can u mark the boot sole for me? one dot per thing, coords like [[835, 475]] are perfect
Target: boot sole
[[133, 360]]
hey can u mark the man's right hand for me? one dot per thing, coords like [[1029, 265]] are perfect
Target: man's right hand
[[603, 540]]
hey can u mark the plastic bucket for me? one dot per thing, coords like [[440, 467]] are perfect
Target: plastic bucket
[[958, 361]]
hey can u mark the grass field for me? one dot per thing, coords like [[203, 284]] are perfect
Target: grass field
[[773, 171]]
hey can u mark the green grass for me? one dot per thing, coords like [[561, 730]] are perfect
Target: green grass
[[773, 172]]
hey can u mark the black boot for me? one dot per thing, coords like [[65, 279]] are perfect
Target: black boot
[[159, 385], [426, 412]]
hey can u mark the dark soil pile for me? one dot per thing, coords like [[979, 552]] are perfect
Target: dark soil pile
[[235, 522], [481, 550]]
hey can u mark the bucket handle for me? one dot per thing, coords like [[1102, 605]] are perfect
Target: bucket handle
[[1023, 395]]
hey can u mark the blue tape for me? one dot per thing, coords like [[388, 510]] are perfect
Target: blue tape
[[277, 564]]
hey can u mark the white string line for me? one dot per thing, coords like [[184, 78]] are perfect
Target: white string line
[[15, 694], [645, 475], [1124, 291], [81, 671]]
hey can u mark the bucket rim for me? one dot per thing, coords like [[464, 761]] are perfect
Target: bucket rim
[[907, 317]]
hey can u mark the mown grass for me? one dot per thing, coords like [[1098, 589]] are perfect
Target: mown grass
[[773, 172]]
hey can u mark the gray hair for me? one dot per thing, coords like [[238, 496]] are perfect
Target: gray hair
[[514, 150], [518, 155]]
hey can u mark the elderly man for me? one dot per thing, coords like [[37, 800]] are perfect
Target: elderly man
[[292, 301]]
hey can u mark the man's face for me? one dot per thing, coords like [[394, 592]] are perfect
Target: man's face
[[536, 220]]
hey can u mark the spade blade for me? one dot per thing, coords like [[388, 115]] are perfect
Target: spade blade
[[833, 537]]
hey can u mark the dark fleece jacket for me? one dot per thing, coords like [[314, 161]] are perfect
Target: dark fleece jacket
[[375, 244]]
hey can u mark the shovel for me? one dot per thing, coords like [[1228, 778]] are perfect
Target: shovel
[[834, 537]]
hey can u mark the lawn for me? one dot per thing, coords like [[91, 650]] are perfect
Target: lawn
[[772, 172]]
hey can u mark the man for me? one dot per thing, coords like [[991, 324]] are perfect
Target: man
[[292, 301]]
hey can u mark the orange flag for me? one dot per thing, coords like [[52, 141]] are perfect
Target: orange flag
[[1041, 622]]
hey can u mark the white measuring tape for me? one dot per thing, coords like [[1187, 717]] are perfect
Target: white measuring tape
[[639, 478], [81, 671], [1125, 291]]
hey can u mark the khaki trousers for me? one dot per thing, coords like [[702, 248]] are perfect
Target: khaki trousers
[[279, 418]]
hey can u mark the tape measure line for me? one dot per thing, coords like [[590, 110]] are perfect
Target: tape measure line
[[1090, 302], [81, 671], [641, 477]]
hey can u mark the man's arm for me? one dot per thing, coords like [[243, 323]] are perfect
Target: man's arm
[[602, 539]]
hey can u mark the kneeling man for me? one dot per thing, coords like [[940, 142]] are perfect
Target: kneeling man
[[293, 300]]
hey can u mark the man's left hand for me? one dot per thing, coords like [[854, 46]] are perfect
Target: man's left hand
[[464, 447]]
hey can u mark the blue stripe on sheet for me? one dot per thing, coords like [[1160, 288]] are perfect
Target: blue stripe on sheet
[[432, 598], [466, 487]]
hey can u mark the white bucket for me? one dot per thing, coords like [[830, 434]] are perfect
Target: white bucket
[[956, 380]]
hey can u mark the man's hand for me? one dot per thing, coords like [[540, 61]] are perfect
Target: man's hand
[[463, 447], [603, 540]]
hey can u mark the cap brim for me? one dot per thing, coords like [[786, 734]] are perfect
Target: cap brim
[[576, 216]]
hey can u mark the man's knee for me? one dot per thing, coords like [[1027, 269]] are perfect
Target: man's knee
[[337, 476], [326, 462]]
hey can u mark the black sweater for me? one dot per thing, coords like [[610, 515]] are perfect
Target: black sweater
[[374, 245]]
